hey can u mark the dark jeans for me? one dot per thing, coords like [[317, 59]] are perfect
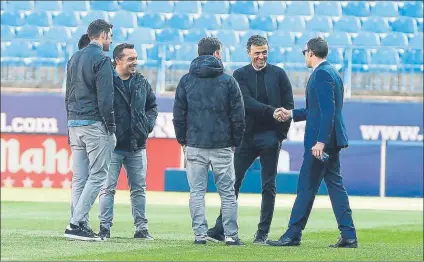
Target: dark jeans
[[267, 147]]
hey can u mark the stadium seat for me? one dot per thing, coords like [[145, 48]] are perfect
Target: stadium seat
[[39, 19], [367, 39], [152, 52], [51, 6], [357, 8], [93, 15], [7, 33], [66, 18], [412, 9], [59, 34], [420, 26], [185, 52], [133, 6], [48, 49], [395, 39], [302, 8], [124, 19], [412, 57], [239, 54], [306, 36], [361, 56], [169, 35], [292, 24], [385, 9], [416, 41], [142, 35], [328, 8], [281, 38], [404, 25], [160, 7], [216, 7], [108, 6], [349, 24], [187, 7], [12, 18], [194, 35], [385, 56], [294, 55], [180, 21], [320, 24], [244, 7], [228, 37], [18, 6], [376, 24], [272, 8], [29, 32], [338, 39], [335, 55], [236, 22], [119, 34], [276, 55], [76, 6], [248, 34], [19, 48], [152, 20], [207, 21], [79, 32], [264, 23]]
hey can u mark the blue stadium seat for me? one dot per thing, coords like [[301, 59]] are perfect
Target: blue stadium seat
[[76, 6], [142, 35], [19, 48], [272, 8], [248, 34], [119, 34], [170, 35], [264, 23], [187, 7], [20, 6], [152, 52], [93, 15], [228, 37], [306, 36], [29, 32], [152, 20], [303, 8], [186, 52], [412, 9], [160, 7], [416, 41], [294, 55], [335, 55], [79, 32], [49, 49], [361, 56], [48, 6], [207, 21], [59, 34], [281, 38], [239, 54], [133, 6], [66, 18], [385, 9], [367, 39], [124, 19], [12, 18], [404, 25], [292, 24], [194, 35], [338, 39], [108, 6], [276, 55], [357, 8], [328, 8], [385, 56], [349, 24], [412, 57], [244, 7], [216, 7], [39, 19], [376, 24], [420, 26], [395, 39], [236, 22], [180, 21], [7, 33], [320, 24]]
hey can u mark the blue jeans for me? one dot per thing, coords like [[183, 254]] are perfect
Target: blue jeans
[[136, 166]]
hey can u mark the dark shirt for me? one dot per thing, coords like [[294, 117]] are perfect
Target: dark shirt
[[262, 96], [127, 86]]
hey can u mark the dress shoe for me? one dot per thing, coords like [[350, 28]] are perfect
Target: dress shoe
[[345, 243], [284, 242]]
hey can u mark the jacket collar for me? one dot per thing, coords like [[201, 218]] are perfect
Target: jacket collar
[[96, 44], [323, 62]]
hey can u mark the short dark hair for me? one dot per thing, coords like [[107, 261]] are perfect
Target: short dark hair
[[83, 41], [97, 27], [208, 46], [256, 40], [318, 46], [117, 52]]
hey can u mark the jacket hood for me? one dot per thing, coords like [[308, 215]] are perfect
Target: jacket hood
[[206, 66]]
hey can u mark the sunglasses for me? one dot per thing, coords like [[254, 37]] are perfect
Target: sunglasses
[[304, 51]]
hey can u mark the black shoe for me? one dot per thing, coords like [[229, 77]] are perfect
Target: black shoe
[[215, 236], [143, 234], [345, 243], [284, 242], [104, 233], [233, 241], [260, 238], [81, 233], [200, 242]]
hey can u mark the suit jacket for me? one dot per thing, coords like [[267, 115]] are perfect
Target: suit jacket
[[323, 112]]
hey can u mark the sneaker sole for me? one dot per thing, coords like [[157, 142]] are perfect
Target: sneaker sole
[[74, 237]]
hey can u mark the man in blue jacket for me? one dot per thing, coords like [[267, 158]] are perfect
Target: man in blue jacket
[[325, 136]]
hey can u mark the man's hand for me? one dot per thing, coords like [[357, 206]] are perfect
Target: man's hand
[[318, 149], [282, 115]]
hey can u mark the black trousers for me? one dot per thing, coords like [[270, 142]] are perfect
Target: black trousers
[[266, 146]]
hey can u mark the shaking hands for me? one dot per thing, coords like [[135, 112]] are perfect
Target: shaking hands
[[282, 115]]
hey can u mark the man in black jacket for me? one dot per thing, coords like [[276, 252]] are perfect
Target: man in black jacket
[[209, 123], [135, 113], [91, 123], [266, 89]]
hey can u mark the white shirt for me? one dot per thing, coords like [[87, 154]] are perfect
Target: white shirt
[[258, 69]]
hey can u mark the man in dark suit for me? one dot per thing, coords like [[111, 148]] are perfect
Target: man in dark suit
[[325, 134]]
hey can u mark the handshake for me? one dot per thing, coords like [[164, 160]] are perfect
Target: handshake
[[282, 115]]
